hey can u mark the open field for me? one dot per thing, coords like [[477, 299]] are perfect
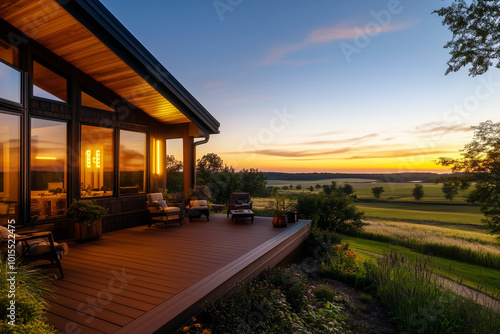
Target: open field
[[392, 191], [427, 213]]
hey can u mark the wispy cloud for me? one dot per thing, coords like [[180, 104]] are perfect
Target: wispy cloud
[[346, 141], [212, 84], [388, 154], [235, 101], [439, 127], [341, 31]]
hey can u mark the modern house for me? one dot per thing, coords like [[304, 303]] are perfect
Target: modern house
[[85, 112]]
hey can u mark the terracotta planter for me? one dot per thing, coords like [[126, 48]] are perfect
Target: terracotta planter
[[279, 221], [84, 232]]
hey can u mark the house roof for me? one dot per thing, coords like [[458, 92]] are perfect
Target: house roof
[[87, 35]]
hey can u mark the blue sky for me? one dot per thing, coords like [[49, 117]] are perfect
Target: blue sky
[[342, 86]]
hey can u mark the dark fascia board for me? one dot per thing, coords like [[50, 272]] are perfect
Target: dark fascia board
[[99, 20]]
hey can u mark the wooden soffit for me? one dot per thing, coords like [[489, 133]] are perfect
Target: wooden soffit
[[49, 24]]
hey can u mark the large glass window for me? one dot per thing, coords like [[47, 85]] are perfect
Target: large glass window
[[10, 83], [97, 161], [48, 161], [89, 101], [10, 78], [48, 84], [132, 162], [9, 167]]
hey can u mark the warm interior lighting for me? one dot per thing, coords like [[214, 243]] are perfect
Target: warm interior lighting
[[98, 158], [46, 158], [157, 157], [89, 160]]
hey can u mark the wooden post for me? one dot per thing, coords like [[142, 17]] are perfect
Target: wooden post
[[189, 166]]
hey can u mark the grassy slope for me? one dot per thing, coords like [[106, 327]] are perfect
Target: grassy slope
[[473, 276]]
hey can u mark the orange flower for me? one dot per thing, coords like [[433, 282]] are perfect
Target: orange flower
[[206, 331], [186, 329], [194, 319], [197, 325]]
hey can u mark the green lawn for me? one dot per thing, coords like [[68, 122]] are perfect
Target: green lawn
[[473, 276], [449, 214]]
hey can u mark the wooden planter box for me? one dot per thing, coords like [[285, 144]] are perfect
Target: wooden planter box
[[92, 232]]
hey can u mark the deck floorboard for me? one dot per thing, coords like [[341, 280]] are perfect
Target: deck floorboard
[[116, 281]]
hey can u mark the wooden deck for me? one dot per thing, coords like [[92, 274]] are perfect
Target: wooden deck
[[148, 279]]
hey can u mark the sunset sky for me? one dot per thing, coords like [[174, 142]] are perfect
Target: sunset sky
[[326, 86]]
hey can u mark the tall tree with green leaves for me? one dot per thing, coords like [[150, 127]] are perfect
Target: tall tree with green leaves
[[476, 37], [377, 191], [253, 182], [209, 164], [480, 165], [450, 189], [175, 180], [418, 192]]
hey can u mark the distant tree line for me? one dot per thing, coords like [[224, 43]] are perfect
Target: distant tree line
[[395, 177]]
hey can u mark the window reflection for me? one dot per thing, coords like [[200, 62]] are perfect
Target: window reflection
[[132, 162], [48, 168], [48, 84], [89, 101], [10, 83], [9, 167], [97, 166]]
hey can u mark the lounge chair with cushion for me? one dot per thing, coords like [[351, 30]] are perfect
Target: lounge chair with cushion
[[239, 201], [38, 248], [158, 208], [197, 208]]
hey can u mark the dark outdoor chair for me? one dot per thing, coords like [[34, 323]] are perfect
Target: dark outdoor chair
[[197, 208], [36, 248], [158, 209], [239, 201]]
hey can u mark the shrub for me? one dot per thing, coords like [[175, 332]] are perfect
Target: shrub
[[319, 243], [335, 212], [29, 297], [86, 211], [258, 308], [346, 266], [324, 293], [291, 284], [263, 307]]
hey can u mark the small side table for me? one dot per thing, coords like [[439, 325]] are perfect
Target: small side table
[[217, 207], [241, 213]]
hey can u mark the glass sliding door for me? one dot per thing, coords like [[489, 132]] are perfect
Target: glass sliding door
[[10, 162], [48, 161]]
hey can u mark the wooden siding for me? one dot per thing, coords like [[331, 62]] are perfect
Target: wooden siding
[[147, 279]]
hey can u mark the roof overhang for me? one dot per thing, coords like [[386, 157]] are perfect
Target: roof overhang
[[85, 34]]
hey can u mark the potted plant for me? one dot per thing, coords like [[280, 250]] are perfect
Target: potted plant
[[280, 209], [88, 219]]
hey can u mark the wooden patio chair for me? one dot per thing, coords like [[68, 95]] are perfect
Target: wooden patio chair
[[197, 208], [159, 211], [36, 248], [239, 201]]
